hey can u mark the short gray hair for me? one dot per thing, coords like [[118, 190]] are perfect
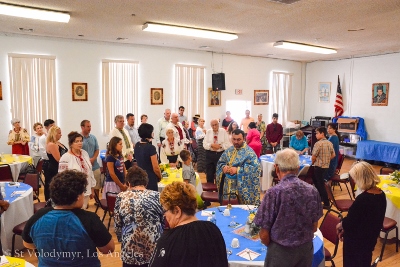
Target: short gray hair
[[14, 121], [118, 117], [287, 160]]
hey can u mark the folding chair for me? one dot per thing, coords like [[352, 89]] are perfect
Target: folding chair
[[308, 178], [111, 197], [101, 203], [387, 226], [328, 230], [32, 179], [375, 263], [5, 173], [386, 170], [342, 205], [336, 176]]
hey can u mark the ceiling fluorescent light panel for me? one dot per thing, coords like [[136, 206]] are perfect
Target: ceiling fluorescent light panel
[[33, 13], [304, 47], [193, 32]]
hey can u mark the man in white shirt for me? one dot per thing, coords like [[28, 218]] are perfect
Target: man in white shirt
[[121, 132], [177, 127], [182, 117], [215, 142], [132, 130], [161, 126]]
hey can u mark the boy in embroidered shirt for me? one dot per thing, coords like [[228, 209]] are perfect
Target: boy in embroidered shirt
[[188, 173]]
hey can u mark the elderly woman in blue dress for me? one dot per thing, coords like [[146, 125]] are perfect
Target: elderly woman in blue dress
[[299, 142]]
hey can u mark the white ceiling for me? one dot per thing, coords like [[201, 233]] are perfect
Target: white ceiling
[[258, 23]]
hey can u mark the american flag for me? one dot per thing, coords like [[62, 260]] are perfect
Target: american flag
[[339, 100]]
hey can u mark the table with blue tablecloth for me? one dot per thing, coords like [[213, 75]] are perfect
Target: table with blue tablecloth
[[242, 212], [267, 165], [379, 151], [20, 197]]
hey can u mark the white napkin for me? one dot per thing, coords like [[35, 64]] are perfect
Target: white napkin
[[206, 213], [248, 254], [247, 207], [3, 260]]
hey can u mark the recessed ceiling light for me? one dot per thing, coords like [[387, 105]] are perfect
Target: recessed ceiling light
[[204, 47], [304, 47], [81, 35], [25, 30], [33, 13], [186, 31]]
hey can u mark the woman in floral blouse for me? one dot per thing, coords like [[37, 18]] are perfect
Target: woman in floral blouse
[[138, 219], [261, 128], [18, 138], [170, 149]]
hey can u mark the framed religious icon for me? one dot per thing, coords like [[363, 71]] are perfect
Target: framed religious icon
[[214, 98], [79, 92], [324, 92], [156, 96], [380, 94], [261, 97]]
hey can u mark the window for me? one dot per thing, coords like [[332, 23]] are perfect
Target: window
[[280, 95], [120, 91], [189, 84], [238, 108], [33, 88]]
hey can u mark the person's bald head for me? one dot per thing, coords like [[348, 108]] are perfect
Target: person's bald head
[[174, 118]]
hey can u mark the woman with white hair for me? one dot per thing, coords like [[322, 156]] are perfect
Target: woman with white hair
[[18, 138], [170, 148], [360, 229]]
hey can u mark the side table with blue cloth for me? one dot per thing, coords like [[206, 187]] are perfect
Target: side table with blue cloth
[[379, 151], [267, 165], [242, 212], [20, 210]]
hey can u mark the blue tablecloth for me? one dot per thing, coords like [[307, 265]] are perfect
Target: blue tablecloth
[[10, 197], [379, 151], [304, 160], [241, 217]]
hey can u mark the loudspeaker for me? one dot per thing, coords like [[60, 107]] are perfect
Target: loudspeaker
[[218, 81]]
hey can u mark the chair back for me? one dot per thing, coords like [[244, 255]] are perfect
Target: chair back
[[39, 166], [386, 170], [111, 197], [328, 188], [352, 186], [340, 163], [32, 179], [309, 176], [104, 168], [5, 173], [328, 230]]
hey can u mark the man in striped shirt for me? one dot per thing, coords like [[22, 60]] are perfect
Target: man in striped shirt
[[322, 154]]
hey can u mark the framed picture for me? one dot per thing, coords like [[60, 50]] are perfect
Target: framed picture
[[156, 96], [380, 94], [214, 98], [79, 92], [261, 97], [1, 92], [324, 92]]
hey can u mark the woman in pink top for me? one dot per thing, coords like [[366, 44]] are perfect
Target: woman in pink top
[[253, 138]]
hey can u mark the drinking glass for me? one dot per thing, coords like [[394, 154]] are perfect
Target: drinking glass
[[233, 223]]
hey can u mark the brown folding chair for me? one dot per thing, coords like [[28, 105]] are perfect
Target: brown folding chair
[[39, 170], [308, 178], [387, 226], [328, 230], [101, 203], [5, 173], [111, 197], [17, 230], [32, 179], [386, 170], [336, 176], [342, 205]]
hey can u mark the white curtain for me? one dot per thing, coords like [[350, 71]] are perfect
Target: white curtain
[[281, 95], [119, 90], [189, 83], [33, 88]]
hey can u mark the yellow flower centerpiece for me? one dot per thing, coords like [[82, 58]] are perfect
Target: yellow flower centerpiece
[[395, 177]]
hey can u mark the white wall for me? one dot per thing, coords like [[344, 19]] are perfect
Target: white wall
[[356, 77], [78, 61]]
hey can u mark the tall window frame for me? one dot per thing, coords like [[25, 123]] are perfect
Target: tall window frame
[[281, 95], [119, 90], [190, 89], [32, 88]]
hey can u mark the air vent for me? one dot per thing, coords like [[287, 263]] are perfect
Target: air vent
[[121, 39], [25, 30], [286, 2]]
